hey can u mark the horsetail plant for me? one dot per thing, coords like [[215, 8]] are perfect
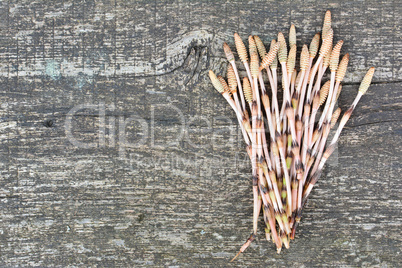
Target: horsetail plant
[[286, 168]]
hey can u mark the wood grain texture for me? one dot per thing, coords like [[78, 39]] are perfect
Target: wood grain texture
[[144, 193]]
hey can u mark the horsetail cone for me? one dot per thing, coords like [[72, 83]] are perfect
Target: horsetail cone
[[339, 91], [248, 93], [327, 24], [324, 92], [315, 43], [334, 61], [327, 43], [232, 79], [254, 65], [292, 35], [241, 48], [260, 46], [327, 57], [215, 82], [224, 84], [252, 46], [341, 71], [283, 51], [365, 84], [304, 58], [281, 37], [228, 52], [335, 117], [291, 62], [274, 63], [270, 57]]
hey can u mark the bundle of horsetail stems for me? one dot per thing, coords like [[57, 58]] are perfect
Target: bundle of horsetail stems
[[287, 144]]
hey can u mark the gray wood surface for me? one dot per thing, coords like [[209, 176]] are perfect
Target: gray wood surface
[[142, 194]]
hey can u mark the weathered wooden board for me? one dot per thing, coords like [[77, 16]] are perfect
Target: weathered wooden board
[[152, 185]]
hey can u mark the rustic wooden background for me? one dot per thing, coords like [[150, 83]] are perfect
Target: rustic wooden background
[[152, 185]]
